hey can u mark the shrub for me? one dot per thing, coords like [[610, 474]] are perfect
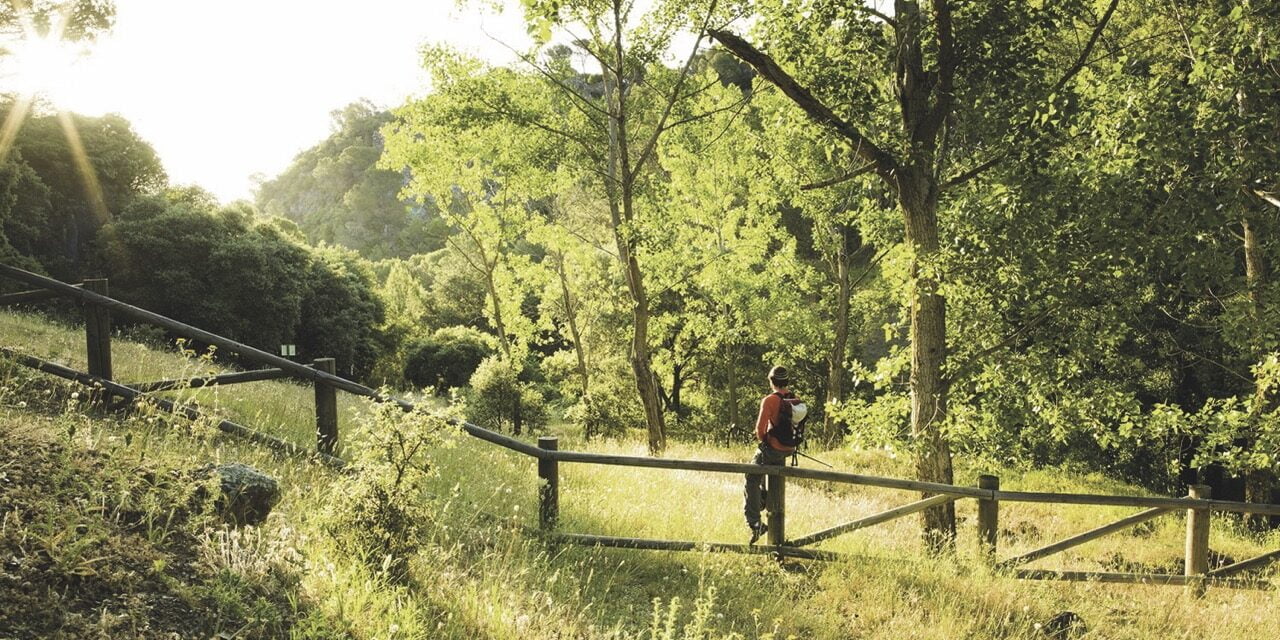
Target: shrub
[[446, 359], [500, 401], [601, 415], [384, 510]]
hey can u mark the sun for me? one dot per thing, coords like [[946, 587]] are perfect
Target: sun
[[41, 67]]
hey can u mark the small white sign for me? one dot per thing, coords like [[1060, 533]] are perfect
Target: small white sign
[[288, 350]]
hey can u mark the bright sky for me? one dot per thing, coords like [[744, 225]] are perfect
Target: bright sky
[[230, 89]]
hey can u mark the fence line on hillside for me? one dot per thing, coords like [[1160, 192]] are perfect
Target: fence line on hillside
[[99, 307]]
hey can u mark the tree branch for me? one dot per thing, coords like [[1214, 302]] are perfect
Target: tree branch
[[1004, 342], [538, 124], [944, 91], [1269, 198], [845, 177], [554, 80], [1088, 48], [975, 171], [866, 8], [884, 163], [707, 114], [1081, 62], [716, 138], [695, 271], [675, 92], [870, 267]]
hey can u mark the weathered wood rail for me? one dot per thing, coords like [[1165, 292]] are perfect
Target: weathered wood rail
[[1197, 504]]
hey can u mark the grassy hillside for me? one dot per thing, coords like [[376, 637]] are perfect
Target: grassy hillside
[[119, 555]]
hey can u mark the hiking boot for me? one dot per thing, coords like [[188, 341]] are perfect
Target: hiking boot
[[758, 529]]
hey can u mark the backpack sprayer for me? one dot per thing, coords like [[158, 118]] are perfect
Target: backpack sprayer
[[798, 430]]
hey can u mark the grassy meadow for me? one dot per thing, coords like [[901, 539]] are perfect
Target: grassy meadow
[[479, 571]]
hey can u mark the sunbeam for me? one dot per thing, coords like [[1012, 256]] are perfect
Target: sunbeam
[[12, 124], [89, 177], [39, 63]]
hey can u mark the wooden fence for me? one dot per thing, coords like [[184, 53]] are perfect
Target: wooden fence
[[1197, 505]]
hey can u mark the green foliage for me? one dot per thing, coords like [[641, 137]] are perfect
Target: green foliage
[[498, 400], [47, 213], [80, 19], [340, 312], [599, 414], [385, 511], [335, 193], [223, 272], [447, 358]]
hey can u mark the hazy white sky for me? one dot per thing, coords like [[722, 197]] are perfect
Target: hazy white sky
[[224, 90]]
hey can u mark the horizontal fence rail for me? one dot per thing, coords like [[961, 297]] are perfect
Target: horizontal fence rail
[[782, 471], [689, 545], [251, 353], [1138, 501], [187, 411], [35, 295], [99, 307], [1137, 578], [211, 381]]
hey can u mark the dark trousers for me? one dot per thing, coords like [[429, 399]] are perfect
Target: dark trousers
[[754, 493]]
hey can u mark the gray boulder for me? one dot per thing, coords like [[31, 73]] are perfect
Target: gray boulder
[[248, 495], [1064, 626]]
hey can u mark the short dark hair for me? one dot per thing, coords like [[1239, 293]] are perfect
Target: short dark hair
[[778, 376]]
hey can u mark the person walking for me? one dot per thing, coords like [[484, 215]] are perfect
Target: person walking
[[777, 440]]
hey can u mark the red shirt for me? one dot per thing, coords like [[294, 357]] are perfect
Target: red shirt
[[769, 408]]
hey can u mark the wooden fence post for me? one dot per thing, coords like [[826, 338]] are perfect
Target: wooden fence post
[[549, 491], [776, 503], [326, 409], [97, 331], [988, 518], [1197, 560]]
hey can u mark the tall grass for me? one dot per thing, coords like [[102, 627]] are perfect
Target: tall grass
[[480, 571]]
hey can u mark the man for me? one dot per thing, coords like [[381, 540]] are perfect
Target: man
[[777, 441]]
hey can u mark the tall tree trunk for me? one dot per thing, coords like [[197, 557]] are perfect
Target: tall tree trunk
[[646, 382], [732, 382], [925, 91], [620, 188], [499, 325], [571, 318], [918, 196], [836, 370], [1258, 482], [677, 385]]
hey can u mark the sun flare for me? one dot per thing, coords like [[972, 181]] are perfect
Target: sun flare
[[40, 67]]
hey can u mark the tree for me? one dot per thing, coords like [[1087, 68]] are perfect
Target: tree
[[81, 19], [477, 170], [446, 359], [916, 53], [60, 211], [614, 123], [178, 255]]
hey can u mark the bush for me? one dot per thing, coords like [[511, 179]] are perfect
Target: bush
[[610, 407], [446, 359], [220, 270], [385, 509], [601, 415], [500, 401]]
